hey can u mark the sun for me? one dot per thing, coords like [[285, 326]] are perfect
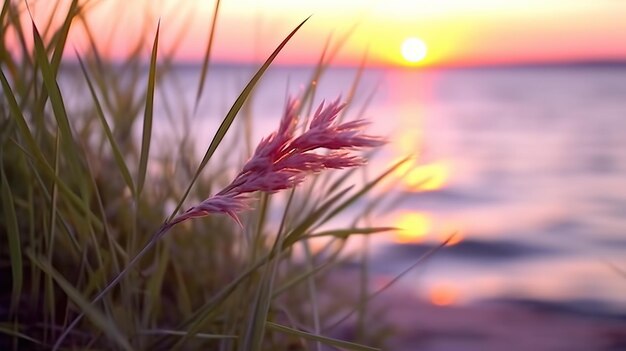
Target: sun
[[413, 50]]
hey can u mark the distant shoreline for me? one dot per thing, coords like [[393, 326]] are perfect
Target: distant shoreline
[[583, 64]]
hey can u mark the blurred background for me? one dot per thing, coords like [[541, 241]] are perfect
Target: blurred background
[[514, 110]]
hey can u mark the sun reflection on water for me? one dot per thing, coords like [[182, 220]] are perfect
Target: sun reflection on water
[[428, 177], [420, 227], [443, 294], [412, 227]]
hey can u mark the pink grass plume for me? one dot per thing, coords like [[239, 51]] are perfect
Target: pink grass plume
[[282, 160]]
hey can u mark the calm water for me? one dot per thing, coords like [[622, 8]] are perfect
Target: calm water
[[527, 165]]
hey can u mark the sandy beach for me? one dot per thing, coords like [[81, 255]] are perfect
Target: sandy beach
[[505, 324], [422, 326]]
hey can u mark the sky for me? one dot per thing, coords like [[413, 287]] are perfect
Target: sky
[[453, 32]]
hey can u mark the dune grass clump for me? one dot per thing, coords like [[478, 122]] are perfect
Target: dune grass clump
[[85, 206]]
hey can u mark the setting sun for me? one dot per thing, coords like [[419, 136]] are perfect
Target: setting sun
[[414, 50]]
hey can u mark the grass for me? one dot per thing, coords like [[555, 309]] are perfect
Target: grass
[[85, 226]]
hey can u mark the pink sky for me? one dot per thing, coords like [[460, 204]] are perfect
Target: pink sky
[[456, 32]]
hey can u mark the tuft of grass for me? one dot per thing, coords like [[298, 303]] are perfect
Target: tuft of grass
[[80, 192]]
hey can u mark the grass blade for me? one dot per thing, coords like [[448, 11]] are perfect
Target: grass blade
[[207, 54], [323, 339], [304, 276], [51, 233], [110, 285], [95, 316], [299, 231], [70, 149], [19, 119], [147, 117], [232, 113], [117, 154], [7, 59], [202, 313], [154, 285], [14, 17], [13, 236], [312, 291], [364, 190], [63, 129], [183, 333], [49, 79], [253, 338], [17, 334], [71, 196], [345, 233], [355, 84], [417, 262], [61, 37], [255, 328]]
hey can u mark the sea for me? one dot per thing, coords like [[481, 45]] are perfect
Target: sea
[[526, 166]]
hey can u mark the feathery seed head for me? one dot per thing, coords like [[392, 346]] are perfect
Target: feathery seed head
[[282, 161]]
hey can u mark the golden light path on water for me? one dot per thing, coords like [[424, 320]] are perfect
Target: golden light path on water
[[422, 176]]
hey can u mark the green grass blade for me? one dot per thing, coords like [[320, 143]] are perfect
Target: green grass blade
[[61, 37], [202, 313], [15, 18], [299, 231], [50, 234], [324, 62], [49, 80], [417, 262], [6, 58], [302, 277], [207, 54], [345, 233], [312, 291], [255, 329], [184, 333], [183, 298], [13, 235], [232, 113], [3, 15], [255, 332], [323, 339], [353, 88], [154, 285], [110, 285], [71, 196], [364, 190], [364, 277], [96, 317], [113, 245], [309, 94], [99, 66], [56, 100], [148, 114], [117, 154], [263, 210], [48, 26], [19, 119], [14, 333]]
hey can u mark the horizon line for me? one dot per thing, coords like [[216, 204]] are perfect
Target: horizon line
[[574, 63]]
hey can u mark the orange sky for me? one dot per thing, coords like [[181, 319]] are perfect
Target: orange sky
[[456, 32]]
